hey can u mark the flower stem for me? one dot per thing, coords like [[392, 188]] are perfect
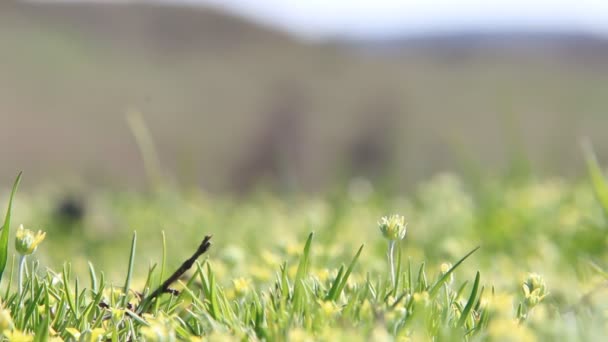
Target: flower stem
[[21, 272], [391, 260]]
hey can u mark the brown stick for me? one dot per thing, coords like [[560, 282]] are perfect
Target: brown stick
[[186, 265]]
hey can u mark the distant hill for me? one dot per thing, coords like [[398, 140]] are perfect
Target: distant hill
[[149, 26], [231, 103], [568, 43]]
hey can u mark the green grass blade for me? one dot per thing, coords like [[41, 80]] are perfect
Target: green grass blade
[[300, 273], [4, 235], [94, 283], [422, 282], [443, 279], [598, 181], [478, 303], [598, 269], [215, 311], [303, 265], [42, 333], [10, 277], [149, 278], [284, 285], [193, 296], [146, 146], [29, 309], [410, 287], [334, 287], [162, 267], [465, 313], [67, 292], [349, 270], [461, 288], [398, 271], [125, 299]]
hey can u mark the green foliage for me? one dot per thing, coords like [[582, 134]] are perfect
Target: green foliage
[[267, 277]]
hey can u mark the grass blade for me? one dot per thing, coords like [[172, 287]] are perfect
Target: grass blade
[[301, 272], [215, 311], [4, 235], [335, 285], [67, 292], [465, 313], [598, 181], [443, 279], [125, 299], [146, 146], [348, 272], [162, 267], [94, 283], [598, 269], [42, 333], [398, 272]]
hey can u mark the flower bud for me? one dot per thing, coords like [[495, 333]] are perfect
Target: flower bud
[[26, 241], [393, 227], [534, 289]]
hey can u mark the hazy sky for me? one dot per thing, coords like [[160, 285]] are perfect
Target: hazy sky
[[386, 17], [381, 17]]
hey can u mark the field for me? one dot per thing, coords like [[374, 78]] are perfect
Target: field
[[191, 175], [517, 259]]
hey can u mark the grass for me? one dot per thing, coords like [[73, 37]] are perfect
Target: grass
[[492, 260]]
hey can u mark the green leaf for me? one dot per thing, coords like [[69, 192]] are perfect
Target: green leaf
[[4, 235]]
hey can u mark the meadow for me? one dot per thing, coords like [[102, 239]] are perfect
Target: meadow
[[301, 196], [474, 259]]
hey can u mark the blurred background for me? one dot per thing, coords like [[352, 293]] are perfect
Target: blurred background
[[299, 95]]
